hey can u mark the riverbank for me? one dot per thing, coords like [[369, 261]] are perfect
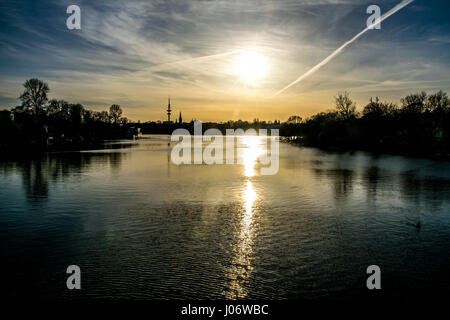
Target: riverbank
[[397, 152]]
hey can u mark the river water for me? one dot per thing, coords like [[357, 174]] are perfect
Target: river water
[[141, 227]]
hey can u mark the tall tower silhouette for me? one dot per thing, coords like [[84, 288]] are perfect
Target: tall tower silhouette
[[169, 111]]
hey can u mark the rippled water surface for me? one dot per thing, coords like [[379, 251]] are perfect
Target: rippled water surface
[[142, 227]]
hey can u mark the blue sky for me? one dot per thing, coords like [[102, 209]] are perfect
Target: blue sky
[[136, 53]]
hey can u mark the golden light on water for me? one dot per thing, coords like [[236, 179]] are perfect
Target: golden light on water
[[250, 153], [249, 198], [241, 266]]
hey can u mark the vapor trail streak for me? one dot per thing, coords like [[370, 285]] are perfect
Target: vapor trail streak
[[192, 60], [398, 7]]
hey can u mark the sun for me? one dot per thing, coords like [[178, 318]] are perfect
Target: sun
[[250, 67]]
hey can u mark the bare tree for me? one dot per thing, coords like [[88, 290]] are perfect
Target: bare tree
[[35, 95], [414, 103], [294, 119], [375, 108], [58, 108], [115, 112], [101, 116], [346, 108], [438, 102]]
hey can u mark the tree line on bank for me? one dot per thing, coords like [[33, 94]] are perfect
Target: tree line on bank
[[420, 126], [39, 123]]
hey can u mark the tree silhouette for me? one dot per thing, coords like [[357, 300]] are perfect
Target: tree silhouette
[[438, 102], [115, 112], [101, 116], [35, 95], [345, 106], [294, 119], [414, 103], [58, 109], [377, 109], [76, 113]]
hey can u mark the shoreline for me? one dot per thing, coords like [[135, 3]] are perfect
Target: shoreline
[[33, 151], [441, 158]]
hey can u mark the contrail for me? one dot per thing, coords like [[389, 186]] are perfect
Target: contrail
[[398, 7], [195, 59]]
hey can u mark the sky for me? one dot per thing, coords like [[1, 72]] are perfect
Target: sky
[[222, 60]]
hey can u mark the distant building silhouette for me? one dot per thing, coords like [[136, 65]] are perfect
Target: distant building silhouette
[[169, 112]]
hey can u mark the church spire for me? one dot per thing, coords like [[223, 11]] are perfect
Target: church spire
[[180, 119]]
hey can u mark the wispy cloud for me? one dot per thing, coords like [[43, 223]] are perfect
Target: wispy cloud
[[137, 52], [342, 47]]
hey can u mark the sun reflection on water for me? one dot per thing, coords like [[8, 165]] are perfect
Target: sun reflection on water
[[251, 152], [241, 267]]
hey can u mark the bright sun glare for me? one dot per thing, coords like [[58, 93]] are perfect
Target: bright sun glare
[[251, 66]]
